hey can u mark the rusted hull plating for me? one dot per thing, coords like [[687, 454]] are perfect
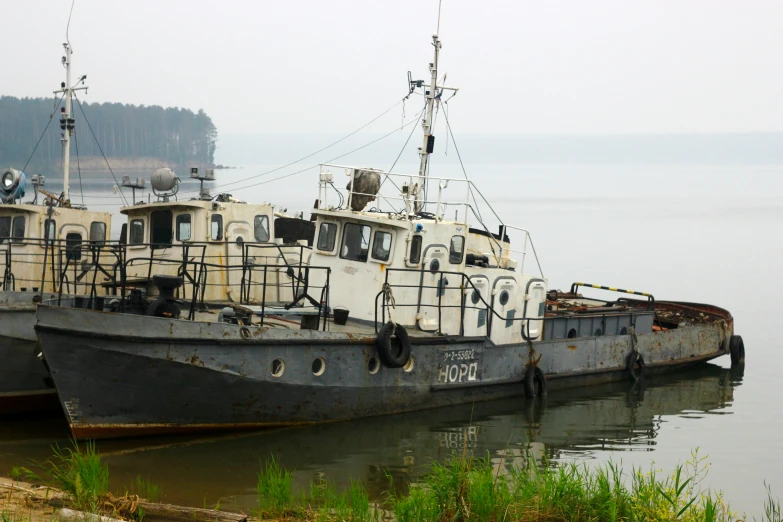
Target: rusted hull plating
[[120, 375]]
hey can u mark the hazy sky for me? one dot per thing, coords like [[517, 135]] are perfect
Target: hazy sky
[[598, 66]]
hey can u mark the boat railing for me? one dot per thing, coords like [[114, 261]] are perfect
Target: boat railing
[[443, 289], [385, 299], [36, 264], [650, 298], [299, 273], [400, 199], [256, 262]]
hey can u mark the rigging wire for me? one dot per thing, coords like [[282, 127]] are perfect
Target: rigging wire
[[68, 26], [78, 166], [405, 145], [328, 161], [465, 173], [99, 147], [44, 132], [384, 113]]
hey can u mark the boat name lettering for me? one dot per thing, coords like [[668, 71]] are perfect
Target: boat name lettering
[[466, 370]]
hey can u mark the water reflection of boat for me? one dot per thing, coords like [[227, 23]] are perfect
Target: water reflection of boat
[[614, 416]]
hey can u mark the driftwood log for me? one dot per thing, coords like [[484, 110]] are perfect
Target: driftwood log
[[167, 513]]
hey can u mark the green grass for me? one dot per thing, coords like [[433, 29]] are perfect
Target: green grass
[[145, 489], [471, 489], [79, 471], [274, 490]]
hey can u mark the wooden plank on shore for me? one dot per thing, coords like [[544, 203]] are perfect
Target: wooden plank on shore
[[154, 512]]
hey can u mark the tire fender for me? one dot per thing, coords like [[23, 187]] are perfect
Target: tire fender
[[535, 382], [633, 360], [393, 355], [737, 350]]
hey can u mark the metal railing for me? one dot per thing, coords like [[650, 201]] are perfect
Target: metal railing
[[402, 204], [466, 285], [124, 270]]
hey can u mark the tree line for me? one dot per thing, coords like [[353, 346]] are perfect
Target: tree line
[[123, 130]]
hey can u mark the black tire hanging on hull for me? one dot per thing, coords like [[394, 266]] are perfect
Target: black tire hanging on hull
[[633, 360], [737, 350], [535, 382], [393, 355]]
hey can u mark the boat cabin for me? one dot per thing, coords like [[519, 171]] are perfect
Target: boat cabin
[[421, 270], [226, 245], [33, 236]]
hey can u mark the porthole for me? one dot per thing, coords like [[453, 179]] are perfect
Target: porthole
[[598, 332], [476, 296], [373, 366], [571, 333], [434, 265], [623, 331], [409, 365], [278, 367], [503, 297], [319, 367]]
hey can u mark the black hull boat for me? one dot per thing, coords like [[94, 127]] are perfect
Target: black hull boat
[[124, 375], [390, 308]]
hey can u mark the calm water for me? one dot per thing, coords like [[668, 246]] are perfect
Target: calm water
[[683, 233]]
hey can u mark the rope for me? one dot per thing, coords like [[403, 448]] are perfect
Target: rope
[[388, 296]]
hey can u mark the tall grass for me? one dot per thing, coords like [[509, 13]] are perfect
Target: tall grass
[[472, 489], [274, 490], [79, 471]]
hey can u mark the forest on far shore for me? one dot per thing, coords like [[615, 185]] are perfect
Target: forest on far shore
[[176, 136]]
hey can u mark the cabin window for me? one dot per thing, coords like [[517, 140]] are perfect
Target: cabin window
[[356, 242], [17, 232], [261, 228], [216, 227], [50, 230], [161, 233], [183, 227], [456, 249], [381, 245], [73, 243], [136, 231], [327, 234], [97, 232], [415, 256], [5, 229]]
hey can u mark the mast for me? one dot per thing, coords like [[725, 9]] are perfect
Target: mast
[[67, 123], [429, 140]]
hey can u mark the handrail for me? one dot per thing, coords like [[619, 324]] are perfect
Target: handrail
[[469, 203], [650, 298]]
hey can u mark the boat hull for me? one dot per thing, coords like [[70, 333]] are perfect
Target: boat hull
[[25, 384], [123, 375]]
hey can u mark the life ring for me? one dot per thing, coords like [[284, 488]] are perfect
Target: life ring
[[535, 382], [397, 354], [634, 358], [737, 350]]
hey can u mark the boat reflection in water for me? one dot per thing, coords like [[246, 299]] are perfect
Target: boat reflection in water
[[575, 422]]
